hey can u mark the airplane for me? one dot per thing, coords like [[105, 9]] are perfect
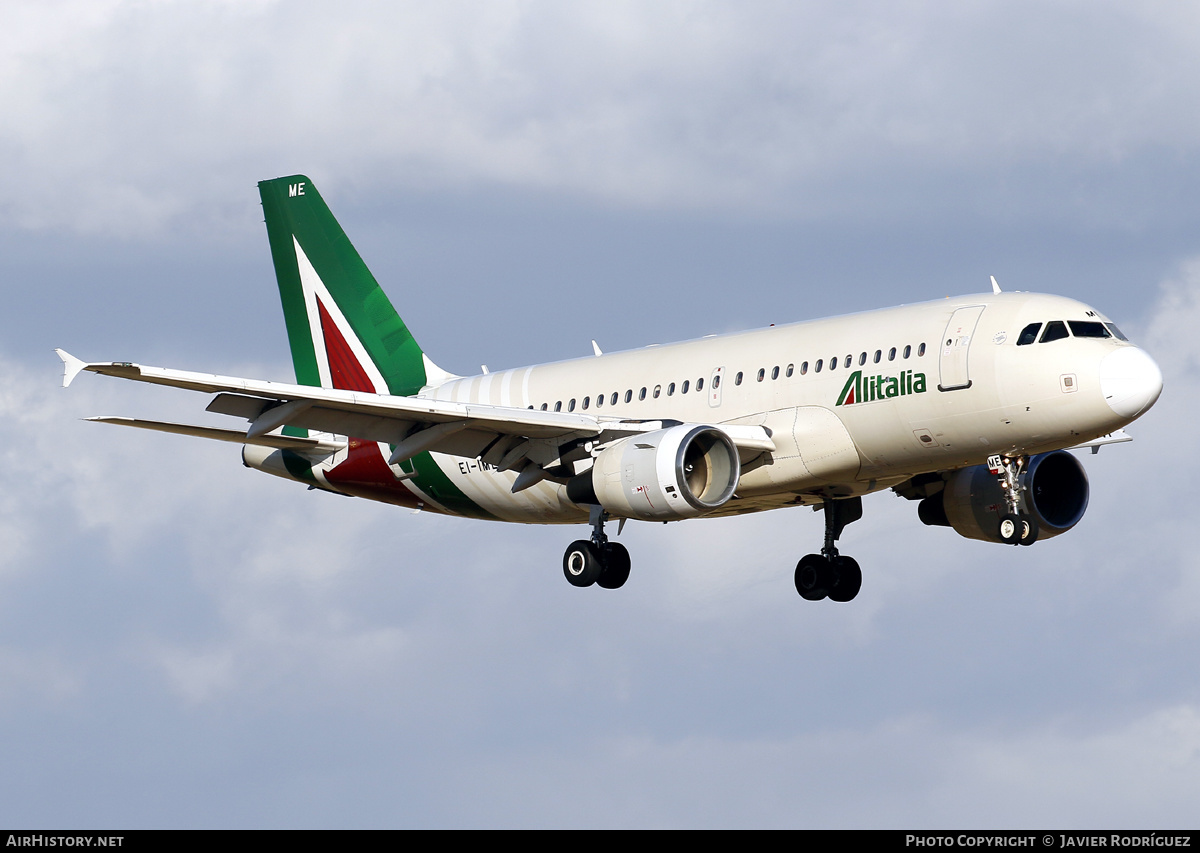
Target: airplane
[[966, 405]]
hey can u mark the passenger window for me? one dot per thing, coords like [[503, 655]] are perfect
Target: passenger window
[[737, 380], [907, 351], [571, 405], [629, 396], [761, 374], [921, 351], [775, 372], [804, 368], [862, 359], [892, 354], [670, 389], [558, 406], [817, 369], [791, 369], [1056, 330], [1087, 329], [878, 355], [657, 391], [683, 390], [1028, 334], [642, 394], [833, 363], [613, 401], [545, 406], [700, 384], [599, 400], [717, 381], [850, 359], [586, 400]]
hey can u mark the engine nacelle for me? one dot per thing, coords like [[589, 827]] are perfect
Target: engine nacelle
[[1054, 489], [680, 472]]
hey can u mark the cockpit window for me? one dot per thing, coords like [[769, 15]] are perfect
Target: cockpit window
[[1088, 329], [1055, 330], [1028, 334], [1112, 327]]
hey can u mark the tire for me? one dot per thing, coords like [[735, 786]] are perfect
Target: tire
[[813, 577], [581, 563], [1009, 529], [615, 566], [1029, 530], [849, 579]]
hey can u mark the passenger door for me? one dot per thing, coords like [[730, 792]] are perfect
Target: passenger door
[[955, 348]]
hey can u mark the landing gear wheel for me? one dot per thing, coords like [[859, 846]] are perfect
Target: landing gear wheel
[[849, 579], [1010, 529], [615, 571], [813, 577], [581, 563], [1029, 531]]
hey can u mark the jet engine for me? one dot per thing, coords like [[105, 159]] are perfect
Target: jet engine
[[679, 472], [1054, 491]]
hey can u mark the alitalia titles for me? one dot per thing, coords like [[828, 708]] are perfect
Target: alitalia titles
[[864, 389]]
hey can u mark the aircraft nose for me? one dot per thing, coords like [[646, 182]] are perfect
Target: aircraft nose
[[1130, 381]]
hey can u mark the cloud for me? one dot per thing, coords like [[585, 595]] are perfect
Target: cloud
[[187, 642], [969, 684], [125, 117]]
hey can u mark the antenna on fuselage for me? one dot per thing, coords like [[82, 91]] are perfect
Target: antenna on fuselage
[[995, 285], [596, 348]]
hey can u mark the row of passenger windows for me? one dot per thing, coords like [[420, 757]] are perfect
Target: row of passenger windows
[[833, 363], [616, 395], [1057, 330], [820, 364]]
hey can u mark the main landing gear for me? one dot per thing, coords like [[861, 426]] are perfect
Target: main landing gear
[[1016, 527], [828, 574], [596, 560]]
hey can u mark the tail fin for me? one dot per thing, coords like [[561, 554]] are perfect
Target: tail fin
[[343, 331]]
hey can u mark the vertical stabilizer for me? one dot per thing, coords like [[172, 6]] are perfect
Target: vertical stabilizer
[[344, 332]]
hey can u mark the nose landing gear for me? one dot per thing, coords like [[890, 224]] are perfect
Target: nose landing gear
[[1016, 527]]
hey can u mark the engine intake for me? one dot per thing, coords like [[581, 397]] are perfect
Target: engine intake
[[1054, 487], [674, 473]]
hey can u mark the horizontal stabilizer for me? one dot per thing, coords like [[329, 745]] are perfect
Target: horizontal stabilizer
[[1111, 438], [71, 366], [235, 436]]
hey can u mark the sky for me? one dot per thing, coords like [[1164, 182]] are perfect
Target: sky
[[188, 643]]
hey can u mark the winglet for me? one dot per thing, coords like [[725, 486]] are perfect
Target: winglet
[[71, 366], [995, 285]]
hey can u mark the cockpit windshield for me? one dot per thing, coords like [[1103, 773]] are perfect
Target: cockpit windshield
[[1055, 330], [1088, 329], [1028, 334]]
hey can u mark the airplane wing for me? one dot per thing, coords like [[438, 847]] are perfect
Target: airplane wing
[[236, 436], [510, 438]]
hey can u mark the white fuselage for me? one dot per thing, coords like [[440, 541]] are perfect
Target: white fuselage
[[941, 385]]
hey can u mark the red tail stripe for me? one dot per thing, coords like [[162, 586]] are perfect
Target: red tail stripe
[[345, 371]]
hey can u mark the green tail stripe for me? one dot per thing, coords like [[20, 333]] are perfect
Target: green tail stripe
[[432, 480], [292, 206]]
